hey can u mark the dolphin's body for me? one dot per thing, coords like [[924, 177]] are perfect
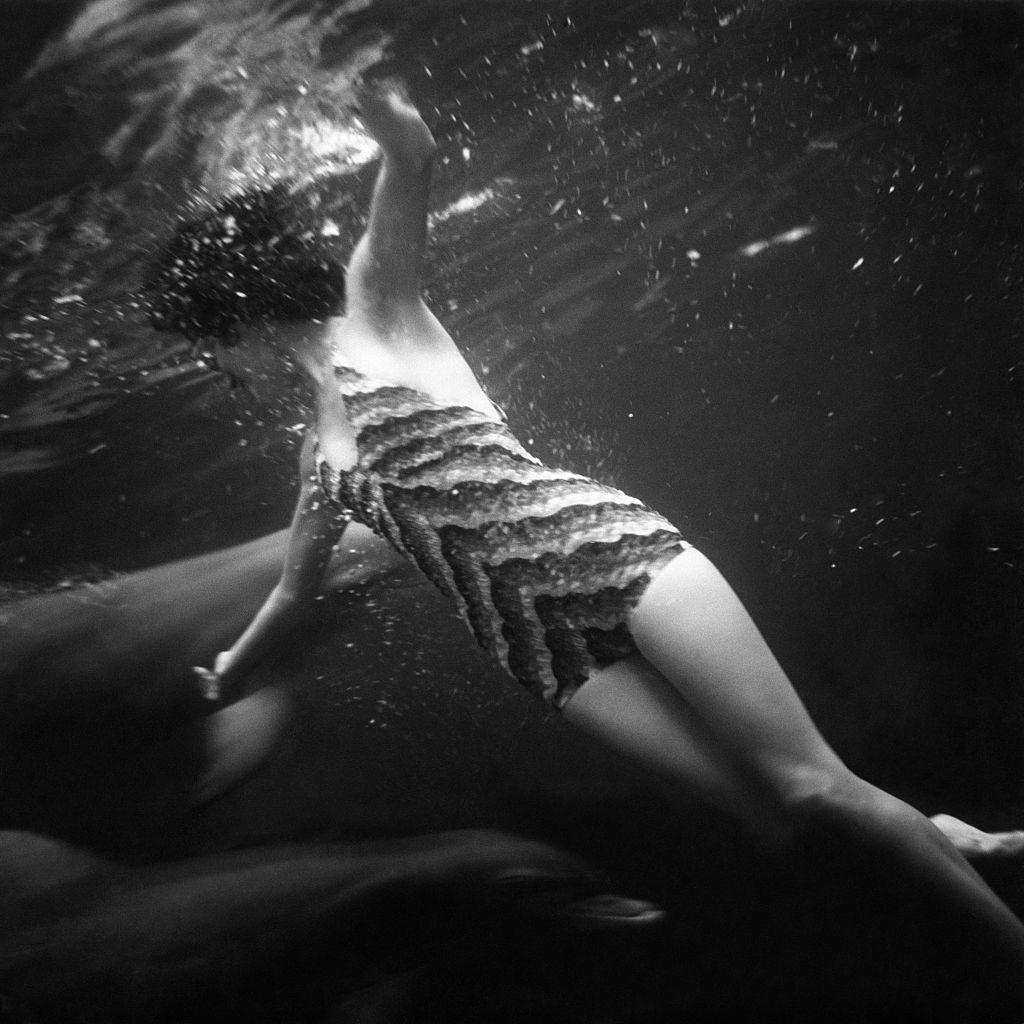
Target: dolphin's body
[[106, 668], [81, 938], [123, 647]]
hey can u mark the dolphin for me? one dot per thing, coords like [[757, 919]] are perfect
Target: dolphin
[[115, 658], [84, 938], [125, 645]]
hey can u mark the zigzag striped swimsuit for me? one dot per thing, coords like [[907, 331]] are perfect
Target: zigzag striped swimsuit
[[544, 565]]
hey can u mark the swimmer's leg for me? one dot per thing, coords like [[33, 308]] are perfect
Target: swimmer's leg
[[384, 271], [635, 708], [693, 629]]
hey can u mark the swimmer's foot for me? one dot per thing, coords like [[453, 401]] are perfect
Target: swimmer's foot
[[239, 738], [387, 112], [209, 682], [975, 844]]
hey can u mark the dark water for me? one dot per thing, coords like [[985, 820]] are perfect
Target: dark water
[[759, 265]]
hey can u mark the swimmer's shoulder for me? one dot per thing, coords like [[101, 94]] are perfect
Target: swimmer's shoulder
[[421, 356]]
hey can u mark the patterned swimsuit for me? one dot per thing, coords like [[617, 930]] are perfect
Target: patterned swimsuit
[[544, 565]]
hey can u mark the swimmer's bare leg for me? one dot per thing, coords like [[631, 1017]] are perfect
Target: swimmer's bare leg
[[976, 844], [384, 271], [652, 723]]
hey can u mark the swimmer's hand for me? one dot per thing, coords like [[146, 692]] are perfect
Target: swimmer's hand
[[279, 613], [210, 680], [213, 680]]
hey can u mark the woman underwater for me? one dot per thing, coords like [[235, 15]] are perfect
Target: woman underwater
[[586, 596]]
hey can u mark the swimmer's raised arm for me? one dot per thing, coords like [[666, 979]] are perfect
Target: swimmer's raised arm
[[385, 267]]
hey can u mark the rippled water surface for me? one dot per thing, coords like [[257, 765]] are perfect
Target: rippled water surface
[[758, 264]]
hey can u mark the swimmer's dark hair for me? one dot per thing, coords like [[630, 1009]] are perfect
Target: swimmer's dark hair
[[258, 255]]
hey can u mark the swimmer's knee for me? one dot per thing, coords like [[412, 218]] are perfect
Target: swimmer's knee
[[805, 791], [826, 795]]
